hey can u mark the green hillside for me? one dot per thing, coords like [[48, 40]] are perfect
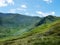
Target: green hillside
[[41, 35], [45, 29], [17, 29], [48, 19], [16, 24]]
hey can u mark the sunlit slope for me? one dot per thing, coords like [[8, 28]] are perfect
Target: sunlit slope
[[47, 34], [17, 29], [45, 30], [49, 29], [54, 29]]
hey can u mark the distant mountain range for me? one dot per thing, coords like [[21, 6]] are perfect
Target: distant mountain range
[[15, 24], [18, 26]]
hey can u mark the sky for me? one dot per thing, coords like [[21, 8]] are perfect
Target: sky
[[31, 7]]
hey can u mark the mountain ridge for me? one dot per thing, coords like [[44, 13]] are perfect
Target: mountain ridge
[[16, 28]]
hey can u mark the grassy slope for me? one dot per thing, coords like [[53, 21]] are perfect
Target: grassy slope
[[15, 24], [37, 36]]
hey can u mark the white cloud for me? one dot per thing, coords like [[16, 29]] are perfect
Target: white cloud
[[29, 14], [23, 6], [45, 14], [20, 8], [12, 11], [4, 3], [48, 1], [10, 2], [53, 13]]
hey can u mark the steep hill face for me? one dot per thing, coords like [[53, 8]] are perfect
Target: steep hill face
[[16, 19], [54, 30], [39, 38], [48, 19], [16, 24], [17, 29]]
